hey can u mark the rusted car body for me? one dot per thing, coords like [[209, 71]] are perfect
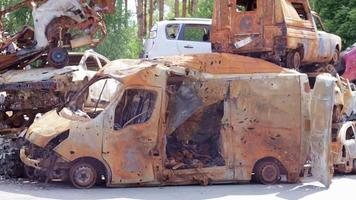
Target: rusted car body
[[343, 130], [286, 32], [24, 94], [200, 119], [344, 147]]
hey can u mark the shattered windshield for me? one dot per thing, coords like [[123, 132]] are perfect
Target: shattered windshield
[[92, 99]]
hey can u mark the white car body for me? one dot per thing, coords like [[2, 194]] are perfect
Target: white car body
[[178, 37]]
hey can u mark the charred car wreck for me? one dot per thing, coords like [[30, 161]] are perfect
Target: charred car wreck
[[26, 93], [200, 119], [286, 32]]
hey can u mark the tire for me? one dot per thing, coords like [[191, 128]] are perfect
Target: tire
[[294, 60], [58, 57], [83, 175], [354, 167], [267, 172]]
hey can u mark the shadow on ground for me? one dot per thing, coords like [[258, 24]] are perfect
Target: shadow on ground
[[65, 191]]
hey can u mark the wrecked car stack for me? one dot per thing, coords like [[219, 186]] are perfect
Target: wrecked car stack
[[199, 119]]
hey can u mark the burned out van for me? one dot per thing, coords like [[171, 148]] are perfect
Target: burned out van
[[286, 32], [200, 119]]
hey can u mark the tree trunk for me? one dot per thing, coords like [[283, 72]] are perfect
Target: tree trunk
[[184, 14], [151, 15], [144, 17], [126, 8], [161, 9], [140, 22], [190, 7], [176, 7], [194, 6]]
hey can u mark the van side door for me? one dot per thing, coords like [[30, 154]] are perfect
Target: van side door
[[194, 39], [163, 41], [130, 135]]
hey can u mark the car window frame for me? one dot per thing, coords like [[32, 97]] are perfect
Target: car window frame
[[315, 19], [182, 32], [178, 33], [117, 102]]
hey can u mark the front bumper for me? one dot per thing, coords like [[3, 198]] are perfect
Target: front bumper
[[28, 161]]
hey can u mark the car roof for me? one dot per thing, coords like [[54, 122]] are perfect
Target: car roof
[[204, 21], [211, 63]]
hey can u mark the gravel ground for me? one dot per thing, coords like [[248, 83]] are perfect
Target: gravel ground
[[342, 187]]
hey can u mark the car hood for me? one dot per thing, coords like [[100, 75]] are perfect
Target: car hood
[[43, 130]]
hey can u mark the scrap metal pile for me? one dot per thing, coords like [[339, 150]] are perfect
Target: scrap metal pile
[[53, 21], [25, 90]]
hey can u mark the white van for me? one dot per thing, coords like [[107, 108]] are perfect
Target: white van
[[181, 36]]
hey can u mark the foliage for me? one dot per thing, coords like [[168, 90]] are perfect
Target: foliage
[[204, 9], [339, 17], [14, 22], [122, 41]]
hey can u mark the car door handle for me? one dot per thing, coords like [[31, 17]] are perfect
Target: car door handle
[[188, 47]]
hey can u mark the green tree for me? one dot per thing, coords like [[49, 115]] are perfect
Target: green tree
[[13, 22], [122, 41], [339, 17]]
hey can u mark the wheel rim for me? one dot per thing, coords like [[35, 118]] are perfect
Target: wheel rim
[[83, 176], [58, 57], [268, 173]]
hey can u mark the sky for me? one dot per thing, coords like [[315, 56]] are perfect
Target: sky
[[132, 5]]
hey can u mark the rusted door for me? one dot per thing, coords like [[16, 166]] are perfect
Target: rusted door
[[246, 23], [322, 102], [130, 135]]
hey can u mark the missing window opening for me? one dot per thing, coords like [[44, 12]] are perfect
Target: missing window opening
[[246, 5], [350, 134], [196, 143], [136, 107], [299, 7]]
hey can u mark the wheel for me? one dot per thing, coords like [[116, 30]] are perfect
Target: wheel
[[336, 58], [58, 57], [354, 167], [34, 174], [83, 175], [294, 60], [267, 172]]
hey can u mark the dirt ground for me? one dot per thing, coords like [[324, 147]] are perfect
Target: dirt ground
[[341, 187]]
